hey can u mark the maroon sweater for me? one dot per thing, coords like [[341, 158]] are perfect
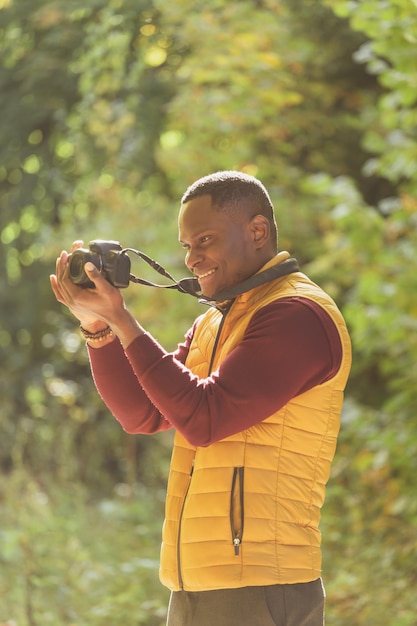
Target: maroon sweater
[[290, 346]]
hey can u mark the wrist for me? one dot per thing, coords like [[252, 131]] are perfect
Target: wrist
[[104, 334], [93, 326], [127, 328]]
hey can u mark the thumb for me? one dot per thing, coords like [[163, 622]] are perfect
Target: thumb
[[92, 272], [94, 275]]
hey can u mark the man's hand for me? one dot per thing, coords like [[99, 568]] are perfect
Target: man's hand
[[97, 307]]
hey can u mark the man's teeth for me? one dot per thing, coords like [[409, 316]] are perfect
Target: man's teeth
[[206, 274]]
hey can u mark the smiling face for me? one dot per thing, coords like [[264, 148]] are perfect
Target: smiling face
[[222, 249]]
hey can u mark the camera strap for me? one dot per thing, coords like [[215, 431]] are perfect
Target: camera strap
[[275, 271], [192, 287], [185, 285]]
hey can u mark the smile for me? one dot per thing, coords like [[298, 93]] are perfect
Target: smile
[[206, 274]]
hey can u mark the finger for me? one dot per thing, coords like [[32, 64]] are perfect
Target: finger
[[66, 289], [55, 288], [61, 264], [78, 243], [95, 276], [52, 280]]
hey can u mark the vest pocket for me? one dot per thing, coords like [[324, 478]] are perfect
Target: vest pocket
[[237, 508]]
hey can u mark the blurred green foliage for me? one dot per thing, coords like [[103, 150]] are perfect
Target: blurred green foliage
[[109, 110], [71, 562]]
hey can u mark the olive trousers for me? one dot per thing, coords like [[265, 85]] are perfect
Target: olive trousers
[[300, 604]]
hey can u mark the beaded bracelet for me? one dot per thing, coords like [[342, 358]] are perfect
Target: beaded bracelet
[[98, 336]]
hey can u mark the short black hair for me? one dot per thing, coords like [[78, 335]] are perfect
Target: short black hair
[[231, 191]]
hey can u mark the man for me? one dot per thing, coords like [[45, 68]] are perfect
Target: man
[[255, 394]]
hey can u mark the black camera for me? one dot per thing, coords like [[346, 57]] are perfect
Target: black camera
[[108, 258]]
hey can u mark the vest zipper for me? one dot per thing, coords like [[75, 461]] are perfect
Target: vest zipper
[[237, 508], [180, 580], [216, 341]]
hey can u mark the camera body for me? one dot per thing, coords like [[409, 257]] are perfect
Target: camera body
[[108, 258]]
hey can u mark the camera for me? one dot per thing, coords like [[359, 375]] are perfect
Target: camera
[[108, 258]]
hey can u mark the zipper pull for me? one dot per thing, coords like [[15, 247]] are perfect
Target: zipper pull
[[236, 543]]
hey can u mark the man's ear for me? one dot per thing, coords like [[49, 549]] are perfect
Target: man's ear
[[261, 230]]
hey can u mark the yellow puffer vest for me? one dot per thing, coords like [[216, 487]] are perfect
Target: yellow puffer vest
[[245, 510]]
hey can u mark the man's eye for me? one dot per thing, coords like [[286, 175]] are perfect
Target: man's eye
[[204, 239]]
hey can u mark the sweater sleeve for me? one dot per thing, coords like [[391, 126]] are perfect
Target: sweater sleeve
[[289, 346], [122, 392]]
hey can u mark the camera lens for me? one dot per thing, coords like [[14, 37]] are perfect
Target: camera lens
[[76, 267]]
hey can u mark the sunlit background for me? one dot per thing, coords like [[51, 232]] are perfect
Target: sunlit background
[[108, 111]]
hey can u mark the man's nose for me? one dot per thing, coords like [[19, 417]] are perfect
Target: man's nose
[[193, 258]]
